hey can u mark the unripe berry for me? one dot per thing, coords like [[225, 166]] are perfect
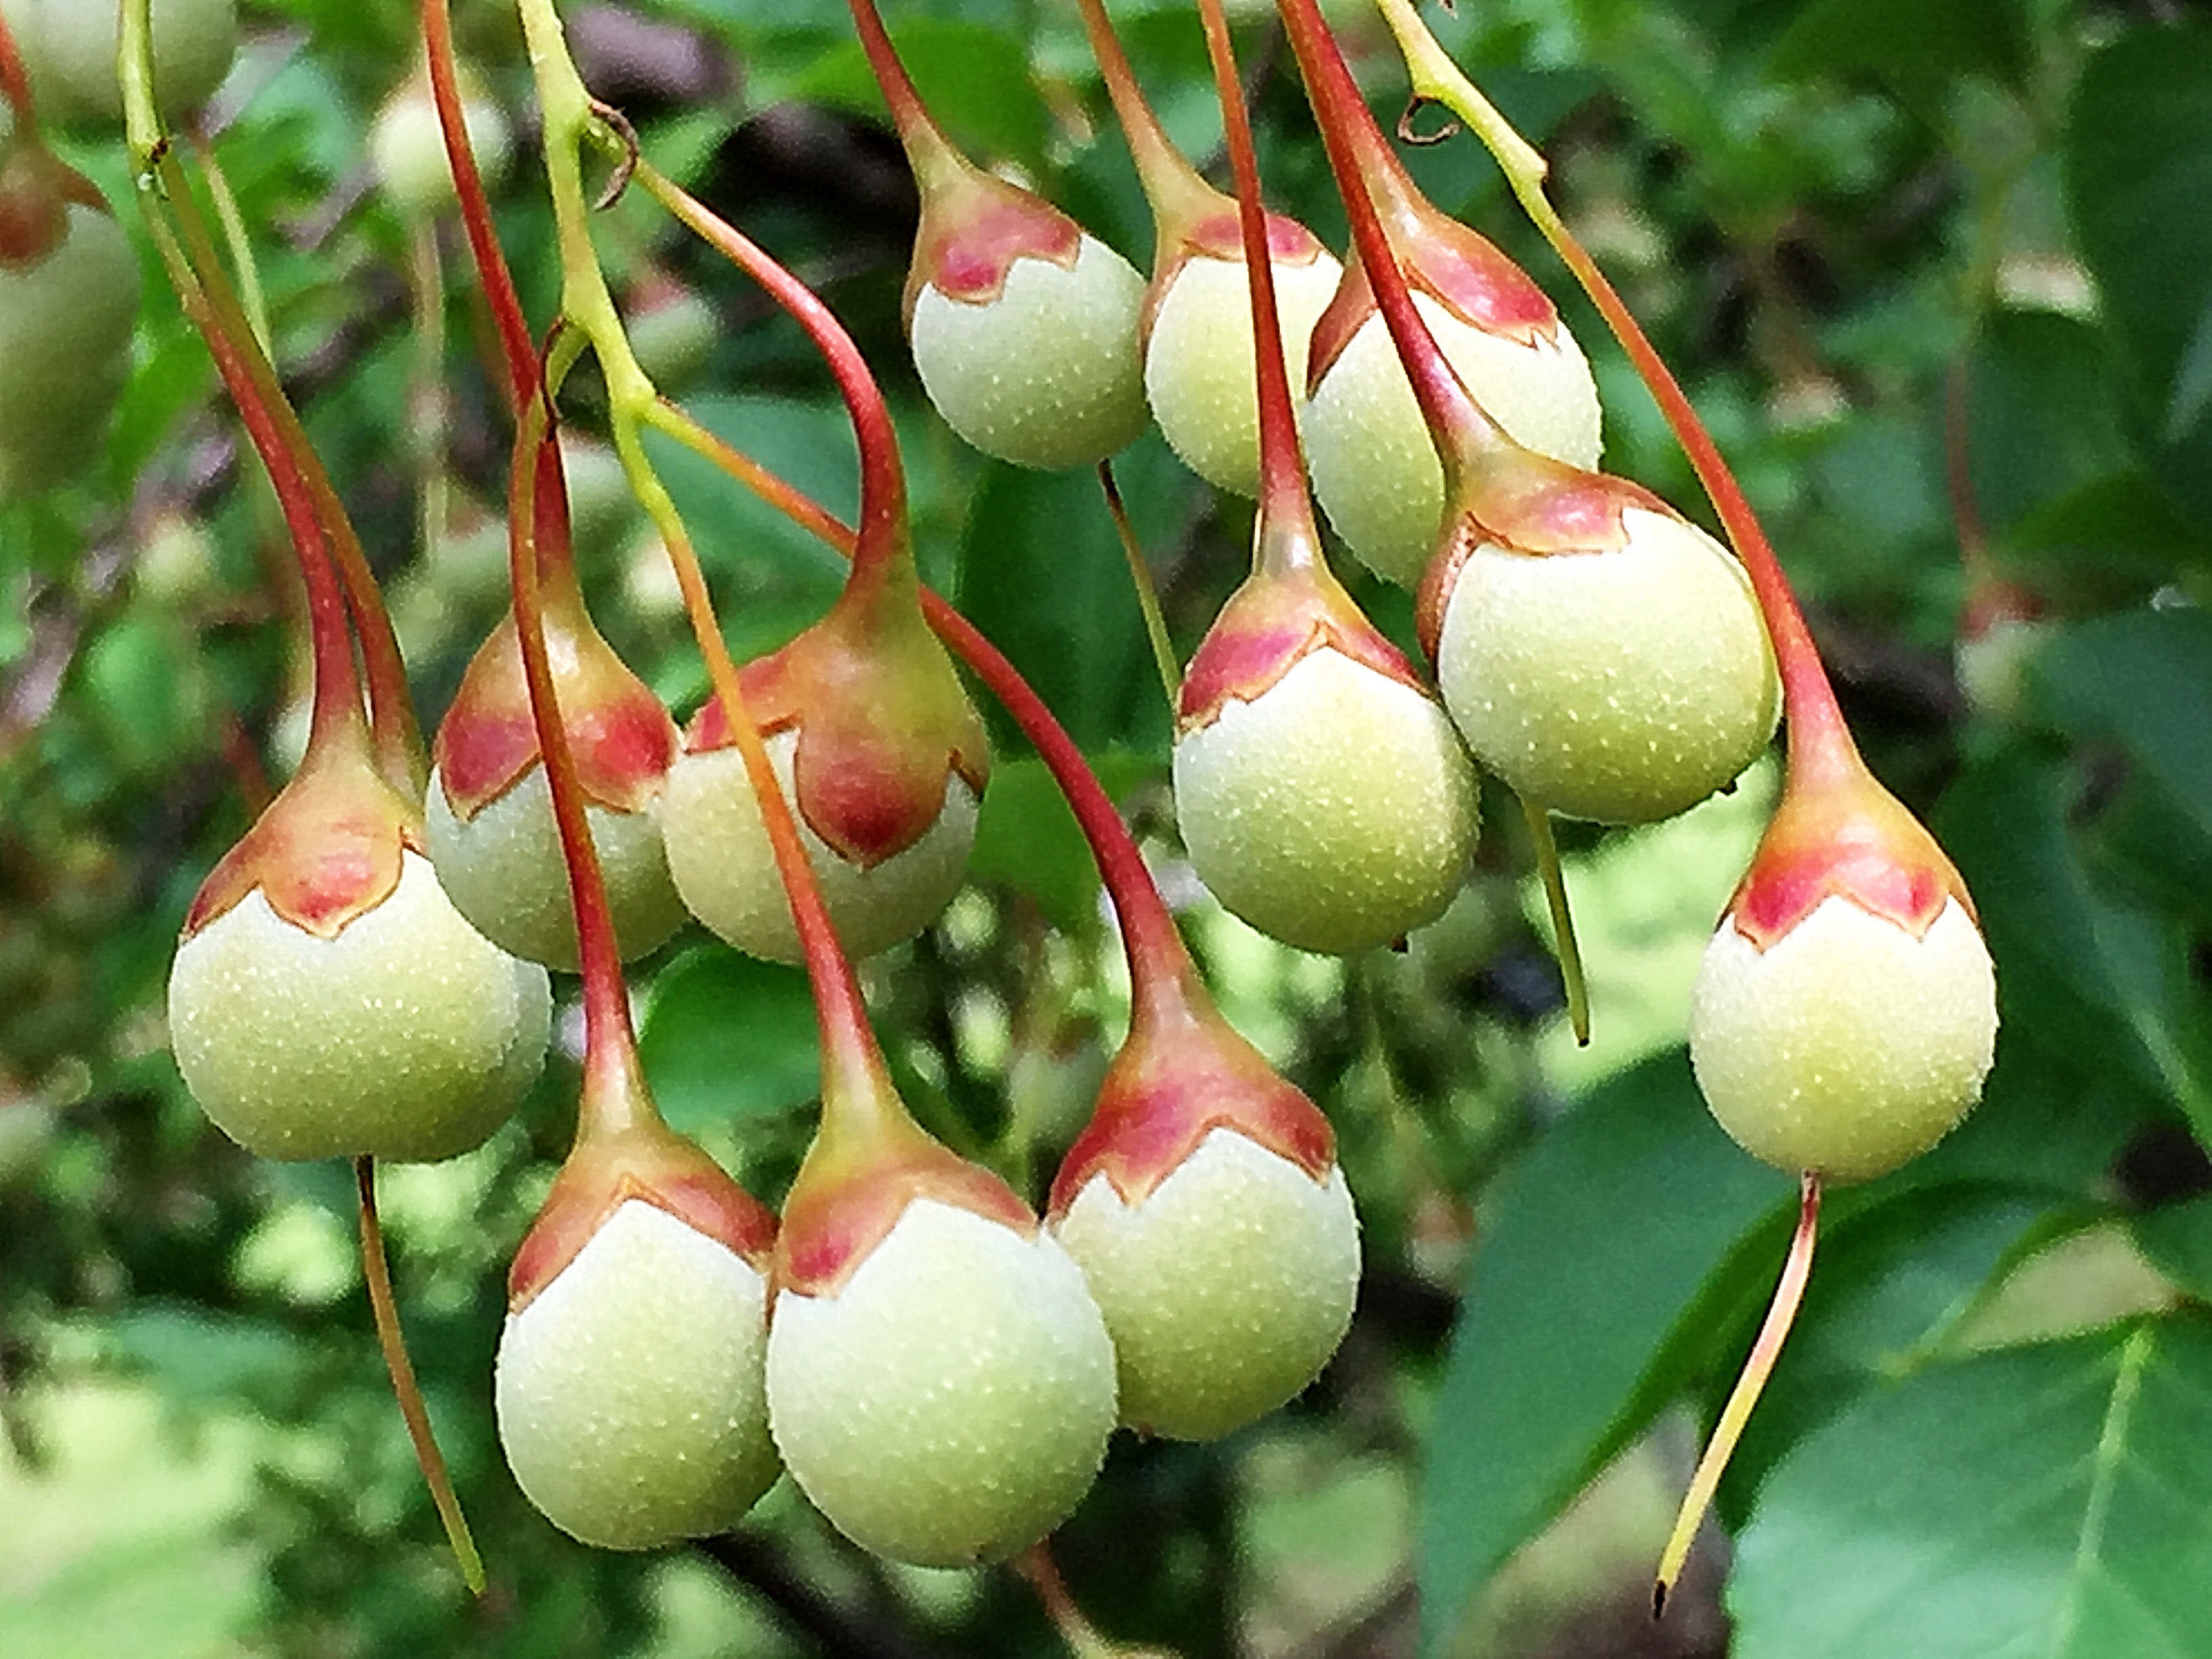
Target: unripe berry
[[1848, 1046], [1623, 684], [1335, 810], [629, 1388], [950, 1402], [1044, 373], [1374, 468], [725, 868], [1227, 1287], [406, 1034], [1199, 359], [407, 145], [70, 48]]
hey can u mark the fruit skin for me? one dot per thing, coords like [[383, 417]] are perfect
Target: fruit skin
[[504, 870], [1198, 360], [950, 1403], [69, 49], [630, 1394], [1335, 812], [1226, 1288], [1623, 685], [407, 145], [407, 1036], [1847, 1046], [1046, 373], [65, 326], [725, 869], [1375, 470]]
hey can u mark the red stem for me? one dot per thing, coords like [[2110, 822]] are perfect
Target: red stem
[[15, 85], [514, 340], [1282, 468], [537, 514], [883, 551], [1365, 167], [931, 154], [1170, 183]]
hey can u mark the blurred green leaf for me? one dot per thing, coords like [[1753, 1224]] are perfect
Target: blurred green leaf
[[1027, 837], [727, 1036], [1593, 1248], [2179, 1239], [2044, 1501], [1906, 40]]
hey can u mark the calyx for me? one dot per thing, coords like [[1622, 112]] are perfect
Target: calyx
[[36, 190], [975, 225]]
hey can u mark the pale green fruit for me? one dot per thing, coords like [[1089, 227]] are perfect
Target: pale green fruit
[[1375, 470], [1047, 374], [1225, 1290], [407, 146], [408, 1035], [1623, 686], [1993, 664], [952, 1403], [1200, 365], [1335, 812], [70, 48], [1847, 1046], [630, 1391], [65, 328], [725, 868], [504, 870]]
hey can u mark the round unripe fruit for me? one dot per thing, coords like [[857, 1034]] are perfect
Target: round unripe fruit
[[1993, 663], [69, 49], [725, 868], [630, 1391], [1847, 1046], [950, 1403], [65, 328], [1335, 812], [407, 145], [1225, 1290], [1623, 686], [504, 870], [1375, 470], [1199, 364], [1047, 374], [407, 1036]]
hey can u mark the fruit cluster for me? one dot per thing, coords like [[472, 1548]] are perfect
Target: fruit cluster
[[366, 973]]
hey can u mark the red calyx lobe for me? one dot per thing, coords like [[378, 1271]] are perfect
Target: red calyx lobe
[[326, 850], [974, 227], [1183, 1073], [882, 719], [1844, 836], [1514, 498], [1459, 268], [1280, 614], [1214, 232], [623, 737], [36, 189]]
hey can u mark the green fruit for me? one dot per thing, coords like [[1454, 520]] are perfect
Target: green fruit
[[1375, 470], [725, 870], [1623, 686], [1847, 1046], [1335, 812], [407, 145], [1225, 1289], [1199, 366], [950, 1402], [629, 1391], [505, 873], [1047, 374], [65, 329], [70, 48], [408, 1036]]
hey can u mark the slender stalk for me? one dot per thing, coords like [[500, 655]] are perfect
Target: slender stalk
[[15, 85], [933, 157], [1141, 578], [376, 1270], [1041, 1573], [239, 242], [427, 400], [1819, 743], [1781, 1313], [673, 421], [1562, 918], [1172, 186]]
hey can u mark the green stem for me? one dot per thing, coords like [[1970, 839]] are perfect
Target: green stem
[[1569, 950], [240, 244], [1141, 578]]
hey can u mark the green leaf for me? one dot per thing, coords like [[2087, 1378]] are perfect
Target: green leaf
[[1595, 1248], [2142, 681], [2179, 1240], [1027, 837], [1904, 39], [727, 1035], [2043, 1502], [2138, 173]]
